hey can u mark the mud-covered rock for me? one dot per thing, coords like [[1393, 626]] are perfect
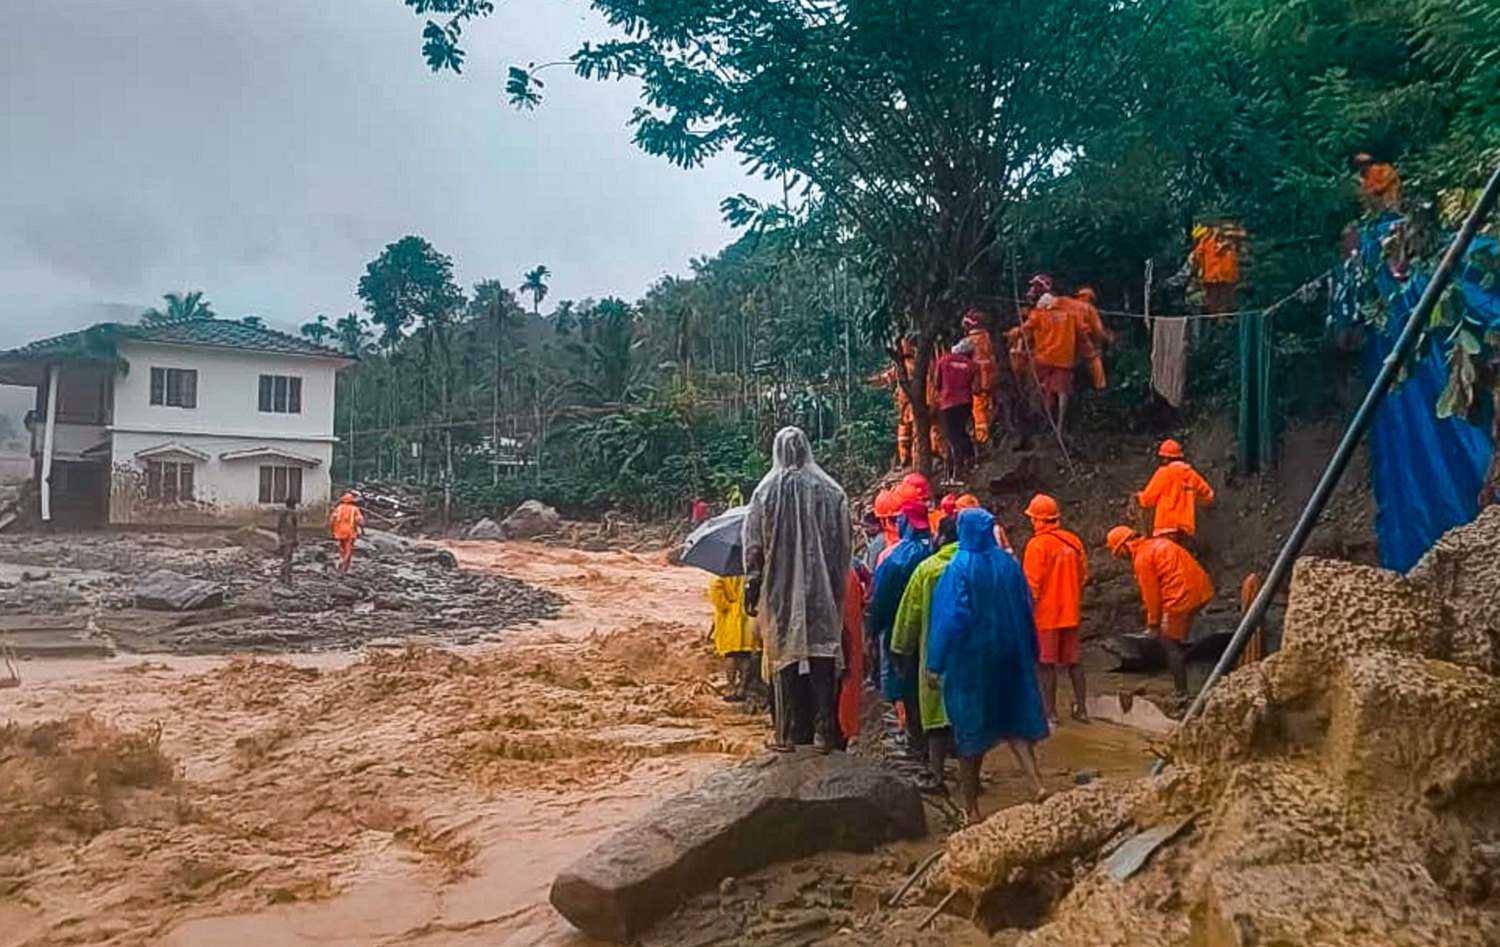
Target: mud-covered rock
[[1463, 569], [1036, 835], [532, 518], [1340, 608], [1426, 729], [167, 591], [257, 538], [767, 810], [485, 529], [1390, 904]]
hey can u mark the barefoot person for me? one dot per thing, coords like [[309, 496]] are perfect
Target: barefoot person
[[1173, 590], [346, 523], [1056, 569], [797, 540], [982, 648]]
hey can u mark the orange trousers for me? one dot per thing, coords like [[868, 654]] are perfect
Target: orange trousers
[[984, 414]]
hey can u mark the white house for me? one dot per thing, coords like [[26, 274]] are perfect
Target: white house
[[196, 421]]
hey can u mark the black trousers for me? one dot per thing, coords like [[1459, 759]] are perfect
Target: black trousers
[[956, 431], [807, 704]]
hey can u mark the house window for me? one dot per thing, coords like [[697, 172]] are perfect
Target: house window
[[278, 483], [281, 394], [174, 387], [169, 481]]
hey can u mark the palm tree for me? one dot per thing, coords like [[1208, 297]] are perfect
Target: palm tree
[[254, 322], [186, 305], [318, 329], [534, 284]]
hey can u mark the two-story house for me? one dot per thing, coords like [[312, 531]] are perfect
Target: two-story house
[[197, 421]]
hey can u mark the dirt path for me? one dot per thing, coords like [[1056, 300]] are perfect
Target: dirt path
[[398, 797]]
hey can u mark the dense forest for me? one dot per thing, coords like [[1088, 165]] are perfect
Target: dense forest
[[932, 157]]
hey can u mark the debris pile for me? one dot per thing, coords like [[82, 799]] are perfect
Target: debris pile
[[1338, 792], [208, 594]]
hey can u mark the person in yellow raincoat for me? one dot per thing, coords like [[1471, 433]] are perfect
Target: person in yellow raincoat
[[734, 633]]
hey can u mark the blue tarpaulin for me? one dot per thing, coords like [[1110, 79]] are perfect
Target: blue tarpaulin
[[1426, 471]]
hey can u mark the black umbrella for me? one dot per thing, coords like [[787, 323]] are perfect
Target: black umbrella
[[715, 545]]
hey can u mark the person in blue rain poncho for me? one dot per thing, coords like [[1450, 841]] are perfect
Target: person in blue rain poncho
[[982, 647], [898, 673]]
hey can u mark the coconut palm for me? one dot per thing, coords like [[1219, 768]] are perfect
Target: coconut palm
[[534, 284], [318, 329], [186, 305]]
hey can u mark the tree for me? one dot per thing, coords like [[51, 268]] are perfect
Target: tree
[[254, 322], [534, 284], [907, 131], [186, 305], [318, 329], [412, 283]]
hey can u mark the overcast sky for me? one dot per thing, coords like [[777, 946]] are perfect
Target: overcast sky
[[264, 150]]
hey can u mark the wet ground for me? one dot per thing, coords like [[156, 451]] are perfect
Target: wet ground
[[422, 796]]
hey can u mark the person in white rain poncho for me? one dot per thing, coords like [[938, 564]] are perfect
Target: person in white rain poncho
[[797, 547]]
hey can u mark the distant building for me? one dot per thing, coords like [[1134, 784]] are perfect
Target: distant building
[[197, 421]]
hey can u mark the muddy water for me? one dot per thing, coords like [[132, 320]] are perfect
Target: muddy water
[[506, 766]]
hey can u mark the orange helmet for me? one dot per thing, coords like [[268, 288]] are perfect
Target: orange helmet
[[915, 487], [1118, 537], [1170, 449], [887, 504], [347, 498], [966, 502], [1087, 294], [1043, 507]]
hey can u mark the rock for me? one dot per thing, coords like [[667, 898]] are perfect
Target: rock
[[1085, 776], [531, 518], [253, 537], [485, 529], [168, 591], [740, 820]]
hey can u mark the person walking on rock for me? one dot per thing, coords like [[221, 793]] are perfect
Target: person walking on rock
[[346, 523], [1173, 494], [1056, 570], [797, 540], [982, 649], [1174, 588]]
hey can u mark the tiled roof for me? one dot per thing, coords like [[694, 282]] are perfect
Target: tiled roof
[[216, 333]]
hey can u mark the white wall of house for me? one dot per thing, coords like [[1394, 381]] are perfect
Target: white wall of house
[[225, 419]]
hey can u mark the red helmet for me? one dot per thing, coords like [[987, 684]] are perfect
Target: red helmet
[[915, 487]]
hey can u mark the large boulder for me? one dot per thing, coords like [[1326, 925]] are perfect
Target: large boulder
[[485, 529], [532, 518], [739, 820], [168, 591]]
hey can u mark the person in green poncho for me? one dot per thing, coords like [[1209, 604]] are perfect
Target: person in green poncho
[[909, 638]]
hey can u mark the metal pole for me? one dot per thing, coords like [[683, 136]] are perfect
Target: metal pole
[[1389, 369]]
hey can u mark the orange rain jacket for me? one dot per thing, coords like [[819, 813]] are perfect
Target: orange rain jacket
[[1381, 184], [1054, 332], [1174, 490], [345, 521], [1171, 581], [1056, 569], [1215, 259]]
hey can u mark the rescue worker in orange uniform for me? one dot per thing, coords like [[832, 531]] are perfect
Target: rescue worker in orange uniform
[[1215, 263], [346, 523], [1174, 588], [1053, 330], [1379, 183], [1174, 491], [905, 422], [1095, 333], [888, 511], [1056, 569], [978, 333]]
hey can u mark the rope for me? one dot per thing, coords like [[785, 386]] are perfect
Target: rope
[[1015, 277], [1301, 292]]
